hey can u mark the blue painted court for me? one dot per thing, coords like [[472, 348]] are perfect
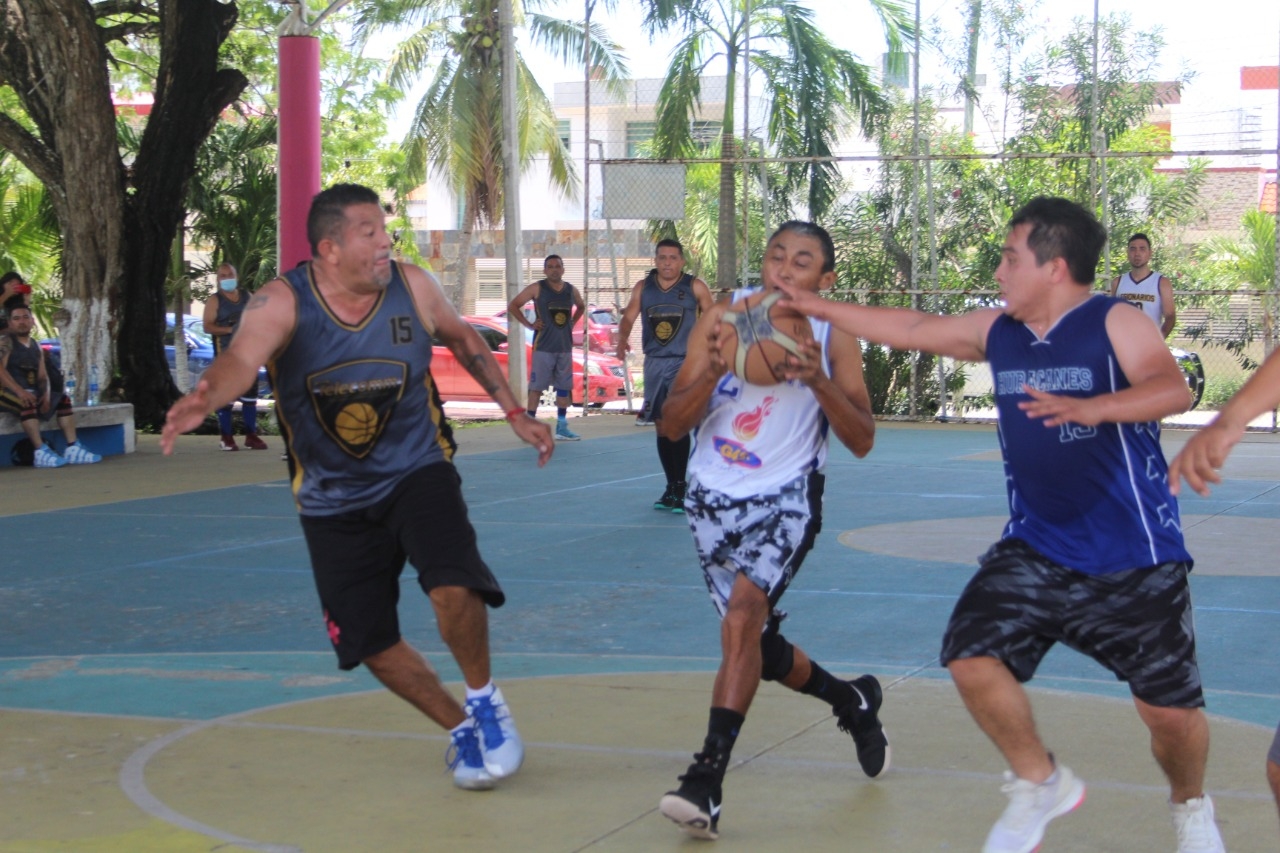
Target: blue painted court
[[166, 681]]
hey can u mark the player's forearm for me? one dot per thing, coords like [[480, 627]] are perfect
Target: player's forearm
[[484, 369], [686, 404], [852, 424], [227, 378], [1150, 400]]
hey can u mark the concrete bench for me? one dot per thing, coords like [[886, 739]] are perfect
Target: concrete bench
[[105, 429]]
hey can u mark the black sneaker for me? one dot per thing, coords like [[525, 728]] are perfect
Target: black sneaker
[[677, 497], [859, 718], [666, 501], [695, 805]]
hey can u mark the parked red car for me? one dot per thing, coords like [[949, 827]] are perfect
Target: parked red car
[[604, 327], [458, 386]]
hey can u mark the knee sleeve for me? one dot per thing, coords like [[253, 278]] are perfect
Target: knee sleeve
[[778, 655]]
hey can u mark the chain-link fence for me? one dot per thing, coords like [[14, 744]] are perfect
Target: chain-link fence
[[1082, 100]]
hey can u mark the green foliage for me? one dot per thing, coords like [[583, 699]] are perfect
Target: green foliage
[[1218, 390]]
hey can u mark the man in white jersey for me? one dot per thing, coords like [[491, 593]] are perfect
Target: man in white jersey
[[1146, 288], [754, 504], [1093, 555]]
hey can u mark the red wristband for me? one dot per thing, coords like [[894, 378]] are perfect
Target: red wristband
[[515, 413]]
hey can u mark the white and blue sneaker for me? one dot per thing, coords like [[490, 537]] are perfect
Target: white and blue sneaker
[[78, 454], [500, 744], [465, 760], [47, 458], [563, 433]]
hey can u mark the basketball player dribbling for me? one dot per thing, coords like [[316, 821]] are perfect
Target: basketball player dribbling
[[754, 504], [347, 338]]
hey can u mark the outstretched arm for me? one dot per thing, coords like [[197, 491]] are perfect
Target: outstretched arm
[[960, 336], [1202, 458], [265, 326], [475, 357], [686, 403]]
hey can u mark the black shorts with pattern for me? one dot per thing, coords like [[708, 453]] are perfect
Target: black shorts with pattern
[[1136, 623]]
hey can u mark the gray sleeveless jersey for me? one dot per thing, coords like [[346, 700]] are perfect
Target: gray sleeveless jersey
[[555, 310], [354, 400], [668, 317], [228, 315]]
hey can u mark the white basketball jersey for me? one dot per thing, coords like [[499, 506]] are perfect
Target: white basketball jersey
[[757, 438], [1145, 294]]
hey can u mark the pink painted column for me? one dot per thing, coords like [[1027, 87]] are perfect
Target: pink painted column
[[299, 148]]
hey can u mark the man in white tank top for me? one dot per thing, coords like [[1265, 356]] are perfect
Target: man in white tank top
[[1146, 288]]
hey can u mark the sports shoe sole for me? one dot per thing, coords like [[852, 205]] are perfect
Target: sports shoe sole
[[475, 783], [1069, 804], [687, 816]]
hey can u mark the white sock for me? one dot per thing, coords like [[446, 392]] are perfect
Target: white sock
[[481, 692]]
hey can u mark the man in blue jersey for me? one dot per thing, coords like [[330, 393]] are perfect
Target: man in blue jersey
[[667, 301], [557, 306], [347, 338], [1093, 554], [754, 506]]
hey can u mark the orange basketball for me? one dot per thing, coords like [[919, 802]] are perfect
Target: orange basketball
[[757, 334]]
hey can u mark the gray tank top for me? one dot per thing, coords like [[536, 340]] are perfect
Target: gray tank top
[[354, 401], [555, 310], [668, 315]]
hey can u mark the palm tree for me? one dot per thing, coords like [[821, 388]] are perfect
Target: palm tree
[[813, 90], [1249, 260], [457, 125]]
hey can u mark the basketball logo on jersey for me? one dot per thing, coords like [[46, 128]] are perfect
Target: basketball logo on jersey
[[560, 316], [665, 320], [354, 401]]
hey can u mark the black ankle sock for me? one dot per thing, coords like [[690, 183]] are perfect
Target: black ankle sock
[[834, 691], [722, 731]]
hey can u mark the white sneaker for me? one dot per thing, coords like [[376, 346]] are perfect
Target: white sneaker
[[46, 458], [1197, 831], [77, 454], [1021, 828], [500, 744], [464, 759]]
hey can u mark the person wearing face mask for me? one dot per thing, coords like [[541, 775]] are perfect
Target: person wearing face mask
[[221, 318]]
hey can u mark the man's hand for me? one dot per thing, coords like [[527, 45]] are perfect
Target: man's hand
[[28, 398], [536, 433], [185, 415], [806, 365], [801, 299], [1055, 409], [1200, 462]]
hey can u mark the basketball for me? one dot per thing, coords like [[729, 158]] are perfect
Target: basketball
[[757, 334], [356, 424]]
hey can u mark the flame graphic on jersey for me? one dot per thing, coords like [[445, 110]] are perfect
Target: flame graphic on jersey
[[746, 426]]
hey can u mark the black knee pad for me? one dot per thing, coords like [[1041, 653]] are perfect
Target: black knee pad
[[778, 654]]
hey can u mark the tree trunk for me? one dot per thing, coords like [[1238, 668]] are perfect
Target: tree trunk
[[191, 93], [51, 54], [464, 293], [116, 245]]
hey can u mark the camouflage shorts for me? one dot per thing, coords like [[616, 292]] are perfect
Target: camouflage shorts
[[1136, 623], [765, 538]]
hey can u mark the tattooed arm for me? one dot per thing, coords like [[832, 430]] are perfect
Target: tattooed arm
[[265, 326], [443, 321]]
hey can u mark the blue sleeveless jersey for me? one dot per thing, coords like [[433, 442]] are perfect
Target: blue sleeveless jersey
[[669, 316], [354, 400], [1095, 499]]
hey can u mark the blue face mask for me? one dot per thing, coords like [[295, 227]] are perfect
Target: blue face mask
[[227, 283]]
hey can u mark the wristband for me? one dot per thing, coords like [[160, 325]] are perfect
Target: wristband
[[515, 413]]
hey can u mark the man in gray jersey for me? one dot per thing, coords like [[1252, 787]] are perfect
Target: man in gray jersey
[[668, 300], [557, 308], [347, 338]]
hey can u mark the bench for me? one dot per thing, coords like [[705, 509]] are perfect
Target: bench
[[106, 429]]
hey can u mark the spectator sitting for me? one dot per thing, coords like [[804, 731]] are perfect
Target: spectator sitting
[[13, 289], [25, 391]]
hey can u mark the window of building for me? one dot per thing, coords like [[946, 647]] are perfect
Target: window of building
[[562, 130], [638, 133]]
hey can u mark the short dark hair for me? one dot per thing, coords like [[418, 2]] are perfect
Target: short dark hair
[[1061, 228], [328, 214], [10, 276], [670, 242], [817, 232], [552, 258], [15, 303], [1140, 236]]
